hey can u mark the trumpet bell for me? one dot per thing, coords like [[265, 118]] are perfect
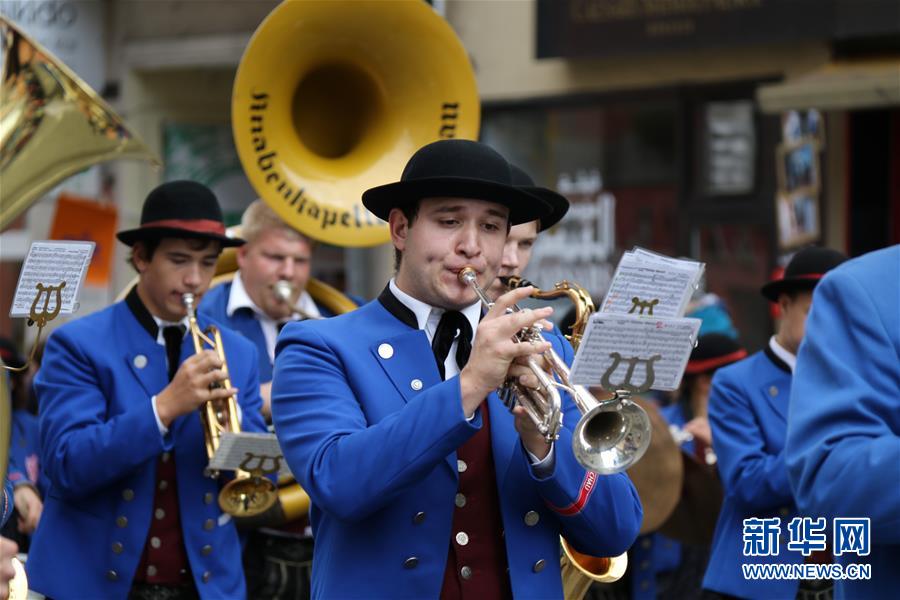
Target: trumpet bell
[[331, 98], [52, 124], [248, 496], [611, 437]]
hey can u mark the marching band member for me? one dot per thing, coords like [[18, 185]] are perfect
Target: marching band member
[[24, 462], [843, 443], [748, 409], [277, 561], [273, 252], [422, 483], [522, 237], [129, 511]]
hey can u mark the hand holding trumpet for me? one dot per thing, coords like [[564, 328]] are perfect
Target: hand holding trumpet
[[197, 381], [493, 352]]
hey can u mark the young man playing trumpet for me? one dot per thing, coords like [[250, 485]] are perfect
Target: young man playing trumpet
[[129, 511], [422, 482]]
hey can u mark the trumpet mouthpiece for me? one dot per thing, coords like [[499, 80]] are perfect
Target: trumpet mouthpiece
[[188, 300], [283, 290], [467, 275]]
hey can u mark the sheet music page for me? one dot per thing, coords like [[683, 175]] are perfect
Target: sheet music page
[[613, 345], [51, 263], [656, 286], [247, 451]]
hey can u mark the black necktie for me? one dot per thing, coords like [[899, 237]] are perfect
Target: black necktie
[[452, 322], [173, 335]]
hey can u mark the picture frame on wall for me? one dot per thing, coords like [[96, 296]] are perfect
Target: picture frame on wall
[[797, 216], [798, 166], [797, 126]]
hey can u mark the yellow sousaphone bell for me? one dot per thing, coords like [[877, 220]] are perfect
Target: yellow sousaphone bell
[[332, 98]]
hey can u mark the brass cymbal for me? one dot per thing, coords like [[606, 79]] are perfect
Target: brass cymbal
[[659, 474]]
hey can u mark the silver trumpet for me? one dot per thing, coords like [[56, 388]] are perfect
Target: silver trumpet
[[611, 435], [284, 290]]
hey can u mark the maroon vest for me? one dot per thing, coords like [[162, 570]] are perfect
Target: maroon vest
[[476, 564], [164, 560]]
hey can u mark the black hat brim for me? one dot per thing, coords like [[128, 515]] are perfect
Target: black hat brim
[[523, 207], [773, 289], [130, 236], [558, 204]]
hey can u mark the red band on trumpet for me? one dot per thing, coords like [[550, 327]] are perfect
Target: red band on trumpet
[[587, 488]]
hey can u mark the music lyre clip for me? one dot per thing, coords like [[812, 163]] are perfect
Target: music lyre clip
[[41, 317]]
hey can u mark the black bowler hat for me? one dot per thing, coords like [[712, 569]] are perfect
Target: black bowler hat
[[181, 209], [456, 169], [714, 350], [558, 203], [804, 271]]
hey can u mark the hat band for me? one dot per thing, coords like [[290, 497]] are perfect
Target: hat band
[[193, 225], [807, 276], [699, 366]]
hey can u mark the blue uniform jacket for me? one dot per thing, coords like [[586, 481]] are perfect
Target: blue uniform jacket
[[214, 305], [748, 408], [99, 448], [371, 432], [24, 451], [843, 443]]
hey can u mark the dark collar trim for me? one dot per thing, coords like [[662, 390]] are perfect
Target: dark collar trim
[[775, 359], [143, 316], [397, 308]]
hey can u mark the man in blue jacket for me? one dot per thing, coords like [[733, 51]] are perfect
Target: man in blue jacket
[[422, 482], [129, 512], [843, 439], [748, 409]]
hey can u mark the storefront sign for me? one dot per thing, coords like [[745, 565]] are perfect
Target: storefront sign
[[596, 28]]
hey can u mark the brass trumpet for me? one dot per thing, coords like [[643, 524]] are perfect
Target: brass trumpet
[[248, 494], [611, 435], [284, 290]]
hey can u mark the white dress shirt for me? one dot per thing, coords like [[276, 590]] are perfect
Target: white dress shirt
[[160, 325], [781, 352]]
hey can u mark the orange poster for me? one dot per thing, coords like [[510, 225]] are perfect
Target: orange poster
[[84, 219]]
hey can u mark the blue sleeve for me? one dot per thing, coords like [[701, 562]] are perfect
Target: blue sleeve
[[599, 515], [751, 474], [843, 442]]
